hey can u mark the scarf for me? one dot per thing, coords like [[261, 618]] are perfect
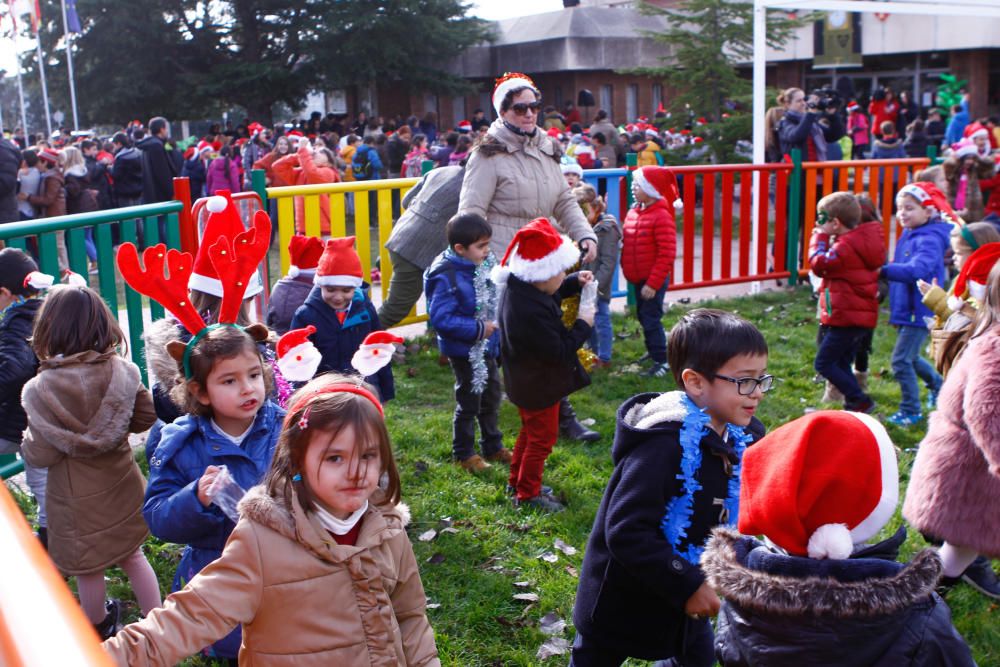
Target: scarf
[[339, 526]]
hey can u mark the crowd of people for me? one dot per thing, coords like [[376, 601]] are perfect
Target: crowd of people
[[270, 461]]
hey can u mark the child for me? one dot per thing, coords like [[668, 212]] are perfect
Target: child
[[538, 353], [81, 407], [319, 569], [649, 247], [857, 128], [604, 267], [848, 301], [815, 593], [888, 144], [642, 593], [19, 302], [291, 291], [341, 312], [461, 301], [919, 256], [571, 171]]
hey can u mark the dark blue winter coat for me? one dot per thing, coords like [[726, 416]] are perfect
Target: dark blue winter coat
[[633, 584], [172, 509], [863, 611], [338, 342], [919, 256], [449, 285], [18, 364], [194, 169], [367, 153]]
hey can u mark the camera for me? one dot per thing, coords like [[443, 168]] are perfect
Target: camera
[[827, 99]]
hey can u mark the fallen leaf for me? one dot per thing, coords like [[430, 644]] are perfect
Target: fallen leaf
[[444, 523], [436, 559], [565, 548], [571, 571], [589, 421], [518, 527], [428, 535], [433, 605], [551, 624], [411, 371], [526, 597], [548, 557], [420, 466], [522, 584], [553, 646], [449, 529]]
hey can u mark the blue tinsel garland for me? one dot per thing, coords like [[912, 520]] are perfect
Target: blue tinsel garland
[[677, 519]]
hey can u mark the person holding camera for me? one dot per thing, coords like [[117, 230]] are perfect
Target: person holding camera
[[810, 124]]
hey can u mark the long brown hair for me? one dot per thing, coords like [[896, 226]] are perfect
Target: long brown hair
[[73, 320], [989, 311], [329, 412]]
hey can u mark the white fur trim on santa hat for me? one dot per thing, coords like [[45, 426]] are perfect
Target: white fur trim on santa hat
[[832, 540], [977, 291], [917, 193], [337, 281], [981, 132], [216, 204], [213, 286], [644, 184], [510, 84], [889, 498], [533, 271], [955, 303]]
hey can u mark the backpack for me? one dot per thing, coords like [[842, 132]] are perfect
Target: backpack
[[362, 168], [412, 166]]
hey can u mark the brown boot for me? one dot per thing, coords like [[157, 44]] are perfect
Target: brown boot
[[474, 463], [831, 394], [862, 378], [504, 455]]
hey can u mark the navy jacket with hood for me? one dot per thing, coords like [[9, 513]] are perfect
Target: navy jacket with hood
[[18, 364], [449, 285], [919, 255], [633, 585]]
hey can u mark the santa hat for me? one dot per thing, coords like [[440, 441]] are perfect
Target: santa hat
[[223, 222], [74, 279], [650, 132], [204, 147], [339, 265], [465, 126], [658, 182], [508, 82], [536, 253], [375, 352], [298, 358], [929, 196], [554, 133], [853, 106], [821, 484], [38, 280], [254, 129], [49, 155], [570, 166], [971, 281], [976, 129], [305, 252], [964, 148], [189, 153]]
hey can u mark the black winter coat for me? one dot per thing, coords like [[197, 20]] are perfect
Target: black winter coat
[[158, 171], [859, 612], [127, 173], [18, 364], [97, 173], [10, 162], [537, 353], [633, 585]]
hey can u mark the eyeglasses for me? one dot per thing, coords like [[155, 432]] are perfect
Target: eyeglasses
[[521, 108], [747, 386]]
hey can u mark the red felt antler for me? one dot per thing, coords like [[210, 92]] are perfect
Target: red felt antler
[[236, 263], [170, 291]]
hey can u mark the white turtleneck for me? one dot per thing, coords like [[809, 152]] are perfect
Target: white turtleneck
[[339, 526]]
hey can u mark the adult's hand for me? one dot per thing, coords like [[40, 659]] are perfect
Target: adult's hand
[[647, 293], [589, 246]]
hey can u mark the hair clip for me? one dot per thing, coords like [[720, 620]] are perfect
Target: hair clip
[[297, 477], [304, 420]]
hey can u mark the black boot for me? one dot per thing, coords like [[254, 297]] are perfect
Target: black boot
[[980, 575], [571, 428], [109, 627]]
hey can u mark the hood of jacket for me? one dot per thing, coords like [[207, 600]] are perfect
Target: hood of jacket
[[156, 336], [130, 153], [82, 404]]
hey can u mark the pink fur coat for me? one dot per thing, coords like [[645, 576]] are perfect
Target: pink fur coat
[[955, 482]]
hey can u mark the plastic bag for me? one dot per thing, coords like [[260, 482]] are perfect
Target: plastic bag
[[588, 301], [225, 493]]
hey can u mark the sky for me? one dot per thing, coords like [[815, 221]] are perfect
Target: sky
[[505, 9]]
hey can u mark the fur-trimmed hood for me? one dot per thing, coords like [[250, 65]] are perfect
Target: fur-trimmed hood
[[158, 361]]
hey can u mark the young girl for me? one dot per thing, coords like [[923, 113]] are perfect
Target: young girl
[[81, 407], [229, 422], [319, 569]]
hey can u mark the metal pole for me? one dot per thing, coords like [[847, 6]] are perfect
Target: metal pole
[[69, 65], [20, 88], [45, 89], [760, 180]]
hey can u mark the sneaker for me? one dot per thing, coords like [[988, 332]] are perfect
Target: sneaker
[[980, 575], [503, 455], [110, 626], [546, 491], [904, 418], [474, 463], [542, 503], [932, 395], [657, 370]]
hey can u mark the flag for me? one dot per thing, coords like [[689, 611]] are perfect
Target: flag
[[31, 7], [72, 18]]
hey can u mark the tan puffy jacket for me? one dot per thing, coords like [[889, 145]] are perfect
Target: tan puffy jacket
[[511, 180], [303, 599]]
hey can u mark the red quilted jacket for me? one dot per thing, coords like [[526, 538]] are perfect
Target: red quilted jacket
[[849, 269], [649, 244]]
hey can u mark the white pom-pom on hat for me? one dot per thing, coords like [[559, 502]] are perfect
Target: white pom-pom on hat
[[832, 540], [293, 271], [216, 204]]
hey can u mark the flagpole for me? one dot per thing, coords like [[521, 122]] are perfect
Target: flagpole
[[69, 65], [45, 89], [20, 86]]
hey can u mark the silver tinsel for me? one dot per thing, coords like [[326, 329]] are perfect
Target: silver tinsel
[[486, 311]]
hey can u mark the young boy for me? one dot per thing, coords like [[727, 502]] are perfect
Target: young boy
[[919, 256], [817, 593], [19, 303], [461, 301], [677, 460], [649, 247], [609, 236], [339, 308], [538, 353], [291, 291], [848, 302], [571, 171]]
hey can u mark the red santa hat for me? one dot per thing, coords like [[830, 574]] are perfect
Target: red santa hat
[[554, 133], [339, 265], [659, 183], [964, 148], [223, 222], [971, 280], [49, 155], [204, 147], [508, 82], [254, 129], [375, 352], [929, 196], [305, 252], [465, 126], [298, 358], [821, 484], [536, 253], [976, 129], [189, 153], [853, 106]]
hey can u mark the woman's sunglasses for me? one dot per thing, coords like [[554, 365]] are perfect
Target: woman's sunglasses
[[521, 108]]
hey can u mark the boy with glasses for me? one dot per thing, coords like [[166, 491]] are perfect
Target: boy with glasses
[[677, 458]]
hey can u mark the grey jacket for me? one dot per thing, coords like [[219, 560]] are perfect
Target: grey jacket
[[512, 179], [288, 294], [605, 265], [419, 234]]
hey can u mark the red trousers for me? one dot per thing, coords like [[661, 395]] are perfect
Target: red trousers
[[539, 432]]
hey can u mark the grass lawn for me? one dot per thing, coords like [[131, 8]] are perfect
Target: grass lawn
[[492, 551]]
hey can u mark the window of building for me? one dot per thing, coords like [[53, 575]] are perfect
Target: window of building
[[458, 110], [431, 102], [607, 97], [631, 102], [657, 96]]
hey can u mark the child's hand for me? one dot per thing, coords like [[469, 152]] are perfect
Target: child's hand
[[584, 277], [488, 329], [647, 293], [703, 604], [925, 286], [204, 482]]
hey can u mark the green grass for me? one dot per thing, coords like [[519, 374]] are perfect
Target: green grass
[[471, 573]]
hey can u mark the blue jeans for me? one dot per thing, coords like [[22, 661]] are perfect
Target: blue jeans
[[907, 364], [834, 358], [602, 336], [650, 314], [88, 241]]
